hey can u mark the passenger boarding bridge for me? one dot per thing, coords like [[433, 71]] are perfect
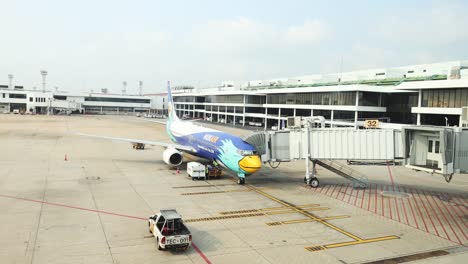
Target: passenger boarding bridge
[[440, 150]]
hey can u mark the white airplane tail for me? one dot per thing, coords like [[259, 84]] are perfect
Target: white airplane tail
[[172, 115]]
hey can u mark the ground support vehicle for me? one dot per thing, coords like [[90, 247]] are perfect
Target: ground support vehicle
[[196, 170], [213, 171], [138, 146], [169, 230]]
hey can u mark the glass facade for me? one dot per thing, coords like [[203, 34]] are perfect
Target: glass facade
[[117, 100], [325, 98], [255, 99], [447, 98], [371, 99], [18, 96], [225, 99], [183, 99]]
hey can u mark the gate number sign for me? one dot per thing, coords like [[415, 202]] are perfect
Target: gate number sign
[[371, 124]]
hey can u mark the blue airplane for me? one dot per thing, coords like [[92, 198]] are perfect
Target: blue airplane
[[215, 146]]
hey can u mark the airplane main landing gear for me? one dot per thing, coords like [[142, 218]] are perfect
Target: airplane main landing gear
[[241, 181]]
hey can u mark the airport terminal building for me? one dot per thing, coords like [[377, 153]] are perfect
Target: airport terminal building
[[19, 100], [426, 94]]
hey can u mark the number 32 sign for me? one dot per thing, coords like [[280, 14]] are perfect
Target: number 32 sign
[[371, 124]]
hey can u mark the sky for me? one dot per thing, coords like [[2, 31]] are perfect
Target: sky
[[88, 45]]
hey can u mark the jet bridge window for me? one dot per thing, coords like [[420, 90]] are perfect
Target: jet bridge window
[[433, 146]]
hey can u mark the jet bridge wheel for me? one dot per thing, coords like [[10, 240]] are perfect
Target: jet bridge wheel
[[314, 182]]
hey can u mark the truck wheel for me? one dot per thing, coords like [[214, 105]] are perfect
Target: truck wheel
[[159, 246]]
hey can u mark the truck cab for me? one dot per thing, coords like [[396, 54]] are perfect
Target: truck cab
[[169, 230]]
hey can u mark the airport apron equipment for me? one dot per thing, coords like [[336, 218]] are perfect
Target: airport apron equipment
[[433, 149]]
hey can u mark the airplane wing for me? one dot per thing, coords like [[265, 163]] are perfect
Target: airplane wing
[[146, 142]]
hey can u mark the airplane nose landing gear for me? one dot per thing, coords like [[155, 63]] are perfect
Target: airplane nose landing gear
[[240, 179]]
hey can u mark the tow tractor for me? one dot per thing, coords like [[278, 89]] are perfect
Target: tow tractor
[[213, 171], [169, 230], [138, 145]]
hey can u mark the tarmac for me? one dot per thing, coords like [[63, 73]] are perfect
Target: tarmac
[[66, 198]]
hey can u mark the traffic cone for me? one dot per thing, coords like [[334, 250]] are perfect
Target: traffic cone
[[66, 157], [178, 171]]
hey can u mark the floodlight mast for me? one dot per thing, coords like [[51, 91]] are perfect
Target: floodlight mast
[[44, 74], [141, 88], [10, 84], [124, 90]]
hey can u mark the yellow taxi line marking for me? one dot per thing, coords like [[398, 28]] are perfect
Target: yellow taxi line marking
[[307, 220], [201, 186], [363, 241], [214, 192], [310, 220], [300, 206], [212, 218], [305, 213], [292, 211]]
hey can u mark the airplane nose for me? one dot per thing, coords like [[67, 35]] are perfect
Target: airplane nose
[[250, 164]]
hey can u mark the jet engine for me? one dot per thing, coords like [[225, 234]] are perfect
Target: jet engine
[[172, 157]]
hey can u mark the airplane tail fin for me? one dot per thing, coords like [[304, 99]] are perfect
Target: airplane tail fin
[[172, 115]]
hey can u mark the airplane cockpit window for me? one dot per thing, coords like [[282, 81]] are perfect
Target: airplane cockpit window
[[246, 152]]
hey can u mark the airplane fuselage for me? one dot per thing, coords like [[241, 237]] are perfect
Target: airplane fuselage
[[228, 150]]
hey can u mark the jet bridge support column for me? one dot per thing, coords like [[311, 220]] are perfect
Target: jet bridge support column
[[309, 178]]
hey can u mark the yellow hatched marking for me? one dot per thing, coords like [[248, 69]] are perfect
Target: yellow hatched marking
[[281, 208], [315, 248]]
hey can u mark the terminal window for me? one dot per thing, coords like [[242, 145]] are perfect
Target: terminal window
[[18, 96]]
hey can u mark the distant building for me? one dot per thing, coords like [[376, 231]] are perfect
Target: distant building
[[38, 102]]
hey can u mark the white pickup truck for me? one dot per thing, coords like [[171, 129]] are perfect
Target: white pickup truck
[[169, 230]]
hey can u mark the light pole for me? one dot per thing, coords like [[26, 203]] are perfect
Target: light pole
[[10, 78], [44, 74]]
